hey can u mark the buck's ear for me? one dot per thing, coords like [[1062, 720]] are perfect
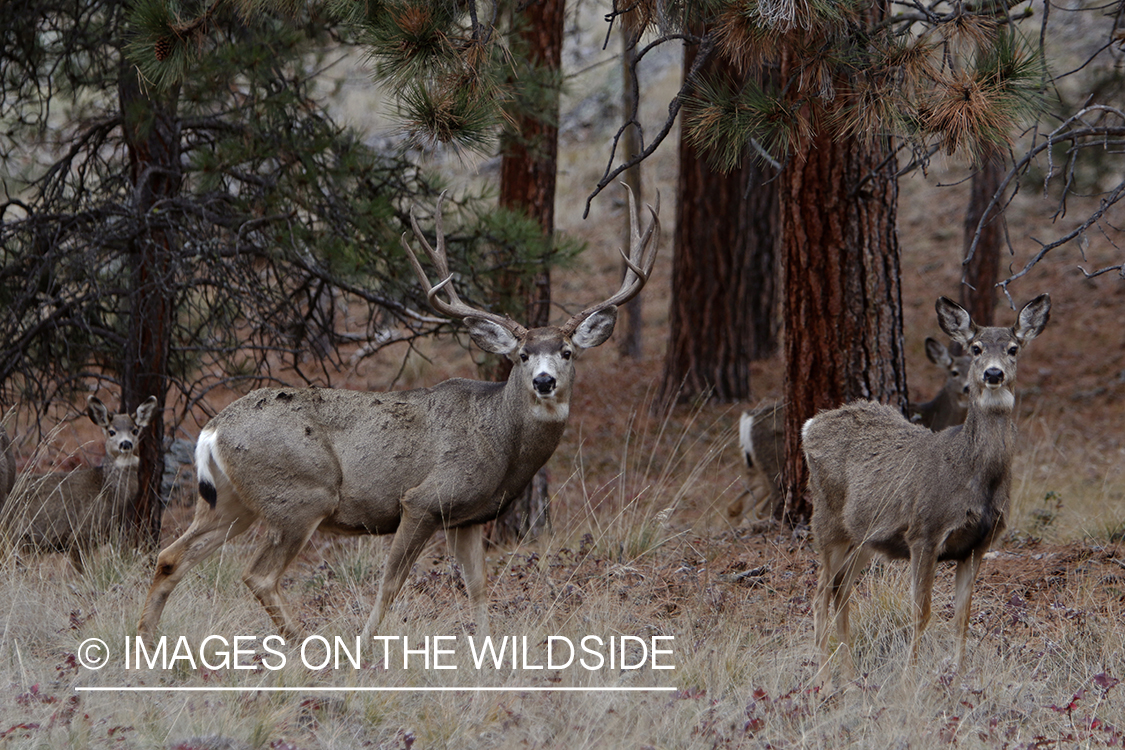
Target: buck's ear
[[1033, 318], [145, 411], [955, 321], [97, 411], [491, 337], [937, 353], [596, 329]]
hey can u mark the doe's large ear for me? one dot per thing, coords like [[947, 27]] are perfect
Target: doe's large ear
[[1033, 318], [492, 337], [145, 412], [955, 321], [937, 353], [97, 411], [596, 329]]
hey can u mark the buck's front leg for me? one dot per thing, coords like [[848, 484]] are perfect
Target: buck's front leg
[[414, 530], [467, 545]]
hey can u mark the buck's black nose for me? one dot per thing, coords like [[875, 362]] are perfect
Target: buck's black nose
[[993, 376], [544, 384]]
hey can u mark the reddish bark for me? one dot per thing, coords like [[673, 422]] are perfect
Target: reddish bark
[[152, 137], [978, 293], [528, 169], [843, 318]]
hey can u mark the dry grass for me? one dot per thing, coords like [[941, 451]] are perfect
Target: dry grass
[[640, 549], [642, 546]]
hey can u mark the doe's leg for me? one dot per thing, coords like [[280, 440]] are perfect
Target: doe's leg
[[963, 580], [845, 581], [833, 557], [923, 566]]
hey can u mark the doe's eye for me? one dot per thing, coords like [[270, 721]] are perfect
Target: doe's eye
[[976, 350], [566, 353]]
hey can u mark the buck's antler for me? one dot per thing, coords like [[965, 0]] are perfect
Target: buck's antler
[[639, 261], [455, 308]]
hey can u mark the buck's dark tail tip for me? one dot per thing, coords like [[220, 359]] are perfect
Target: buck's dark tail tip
[[208, 493]]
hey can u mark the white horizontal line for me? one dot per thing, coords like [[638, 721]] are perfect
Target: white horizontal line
[[526, 689]]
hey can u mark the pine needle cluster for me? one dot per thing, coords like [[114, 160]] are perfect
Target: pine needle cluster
[[452, 74], [950, 76]]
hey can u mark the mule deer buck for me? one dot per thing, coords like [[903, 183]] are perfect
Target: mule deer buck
[[74, 511], [881, 484], [761, 432], [406, 463]]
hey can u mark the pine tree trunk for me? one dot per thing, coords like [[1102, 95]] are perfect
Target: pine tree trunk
[[152, 137], [723, 277], [978, 293], [843, 306], [528, 170]]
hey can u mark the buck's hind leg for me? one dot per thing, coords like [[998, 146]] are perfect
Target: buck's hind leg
[[262, 576], [414, 530], [467, 545], [209, 529]]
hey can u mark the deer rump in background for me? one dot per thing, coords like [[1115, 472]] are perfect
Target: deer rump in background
[[880, 484], [406, 463]]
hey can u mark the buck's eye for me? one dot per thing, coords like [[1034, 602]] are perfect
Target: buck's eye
[[566, 353], [976, 349], [523, 356], [1013, 350]]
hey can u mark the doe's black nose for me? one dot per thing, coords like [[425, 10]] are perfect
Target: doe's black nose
[[994, 376], [544, 384]]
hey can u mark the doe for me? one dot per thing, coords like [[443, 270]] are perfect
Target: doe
[[761, 432], [405, 463], [880, 484], [74, 511], [951, 404]]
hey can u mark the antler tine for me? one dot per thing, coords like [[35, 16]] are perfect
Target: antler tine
[[455, 308], [639, 261]]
